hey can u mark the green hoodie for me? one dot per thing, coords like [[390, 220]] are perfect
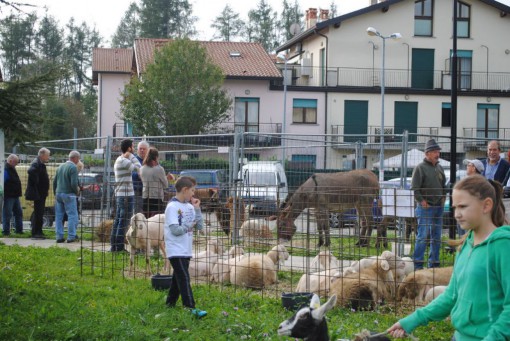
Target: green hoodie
[[478, 296]]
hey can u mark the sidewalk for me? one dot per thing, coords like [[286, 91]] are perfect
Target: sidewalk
[[47, 243]]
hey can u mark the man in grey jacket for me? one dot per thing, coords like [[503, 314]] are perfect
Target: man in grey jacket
[[429, 186]]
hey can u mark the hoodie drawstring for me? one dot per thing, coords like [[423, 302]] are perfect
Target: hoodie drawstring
[[488, 283]]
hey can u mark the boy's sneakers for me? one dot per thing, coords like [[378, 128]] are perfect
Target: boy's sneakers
[[199, 313]]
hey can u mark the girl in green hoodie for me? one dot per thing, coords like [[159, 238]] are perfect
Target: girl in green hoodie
[[478, 296]]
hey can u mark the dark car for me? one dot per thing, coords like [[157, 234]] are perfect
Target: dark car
[[207, 180], [91, 190]]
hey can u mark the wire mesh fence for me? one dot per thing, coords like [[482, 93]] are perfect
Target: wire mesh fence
[[252, 202]]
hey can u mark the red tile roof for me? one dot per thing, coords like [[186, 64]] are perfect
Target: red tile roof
[[111, 61], [236, 59]]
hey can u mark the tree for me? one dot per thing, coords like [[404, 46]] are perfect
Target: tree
[[291, 14], [332, 10], [167, 19], [17, 39], [50, 40], [227, 25], [180, 93], [262, 25], [128, 29], [20, 107]]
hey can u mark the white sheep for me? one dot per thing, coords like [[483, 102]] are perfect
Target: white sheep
[[434, 292], [319, 282], [325, 260], [258, 228], [258, 270], [203, 262], [145, 234], [221, 270]]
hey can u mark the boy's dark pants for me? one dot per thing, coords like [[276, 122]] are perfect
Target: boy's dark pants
[[181, 283]]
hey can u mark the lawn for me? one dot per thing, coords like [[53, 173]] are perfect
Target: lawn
[[44, 297]]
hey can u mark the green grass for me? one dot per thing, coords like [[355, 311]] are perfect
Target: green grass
[[43, 296]]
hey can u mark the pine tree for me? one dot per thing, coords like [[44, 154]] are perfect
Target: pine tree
[[227, 25], [291, 14], [167, 19], [262, 25], [128, 29]]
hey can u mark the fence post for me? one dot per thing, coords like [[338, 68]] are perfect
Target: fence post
[[2, 170], [236, 159], [107, 171], [399, 247], [359, 155]]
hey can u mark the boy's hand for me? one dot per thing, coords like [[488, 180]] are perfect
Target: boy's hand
[[195, 202]]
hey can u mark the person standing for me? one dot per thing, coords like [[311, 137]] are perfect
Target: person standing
[[155, 182], [66, 189], [478, 295], [182, 215], [12, 192], [125, 164], [496, 168], [141, 152], [429, 186], [37, 190]]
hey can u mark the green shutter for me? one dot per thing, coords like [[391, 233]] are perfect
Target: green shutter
[[356, 120], [422, 72], [406, 118], [304, 103]]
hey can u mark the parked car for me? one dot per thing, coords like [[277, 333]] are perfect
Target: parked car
[[207, 179], [91, 190]]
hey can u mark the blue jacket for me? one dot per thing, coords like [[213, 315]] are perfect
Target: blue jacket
[[501, 172]]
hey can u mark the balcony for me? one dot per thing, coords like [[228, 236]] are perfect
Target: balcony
[[255, 135], [476, 138], [340, 136], [308, 76]]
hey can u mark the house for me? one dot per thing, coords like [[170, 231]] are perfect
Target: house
[[337, 60], [248, 71]]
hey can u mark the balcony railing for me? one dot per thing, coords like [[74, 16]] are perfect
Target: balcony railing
[[477, 138], [344, 134], [257, 135], [299, 75]]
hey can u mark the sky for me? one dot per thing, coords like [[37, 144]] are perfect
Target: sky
[[105, 15]]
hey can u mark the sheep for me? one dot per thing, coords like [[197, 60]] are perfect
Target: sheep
[[365, 289], [104, 230], [434, 292], [258, 228], [309, 322], [258, 270], [221, 270], [319, 282], [144, 234], [416, 285], [203, 262]]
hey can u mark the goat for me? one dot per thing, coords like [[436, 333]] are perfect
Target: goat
[[144, 234], [309, 322], [203, 262], [258, 270], [416, 285]]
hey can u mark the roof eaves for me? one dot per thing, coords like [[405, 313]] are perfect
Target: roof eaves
[[337, 20]]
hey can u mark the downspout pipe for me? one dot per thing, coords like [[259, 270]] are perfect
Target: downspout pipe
[[325, 96]]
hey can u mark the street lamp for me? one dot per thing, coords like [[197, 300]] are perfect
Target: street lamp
[[373, 32]]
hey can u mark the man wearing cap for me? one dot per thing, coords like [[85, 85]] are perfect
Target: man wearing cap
[[474, 167], [496, 168], [429, 186]]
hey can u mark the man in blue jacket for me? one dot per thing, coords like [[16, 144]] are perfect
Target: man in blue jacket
[[12, 192], [496, 168]]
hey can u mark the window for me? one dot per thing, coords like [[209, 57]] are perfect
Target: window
[[446, 115], [304, 111], [487, 121], [305, 161], [464, 68], [463, 19], [423, 18], [246, 114]]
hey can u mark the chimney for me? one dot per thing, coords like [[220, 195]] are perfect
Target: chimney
[[324, 15], [311, 17]]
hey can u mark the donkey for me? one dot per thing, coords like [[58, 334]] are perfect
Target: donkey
[[335, 192]]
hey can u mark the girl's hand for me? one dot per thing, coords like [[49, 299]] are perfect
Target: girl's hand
[[397, 331]]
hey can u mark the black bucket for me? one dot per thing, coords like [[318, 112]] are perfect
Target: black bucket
[[161, 282]]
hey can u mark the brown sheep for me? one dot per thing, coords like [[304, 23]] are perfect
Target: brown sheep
[[104, 230], [258, 270], [416, 285], [363, 290]]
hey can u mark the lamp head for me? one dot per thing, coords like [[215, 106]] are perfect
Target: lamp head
[[395, 36], [372, 32]]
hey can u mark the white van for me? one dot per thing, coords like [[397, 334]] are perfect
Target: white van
[[264, 186]]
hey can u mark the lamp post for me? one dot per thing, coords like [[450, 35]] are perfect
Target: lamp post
[[373, 32]]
